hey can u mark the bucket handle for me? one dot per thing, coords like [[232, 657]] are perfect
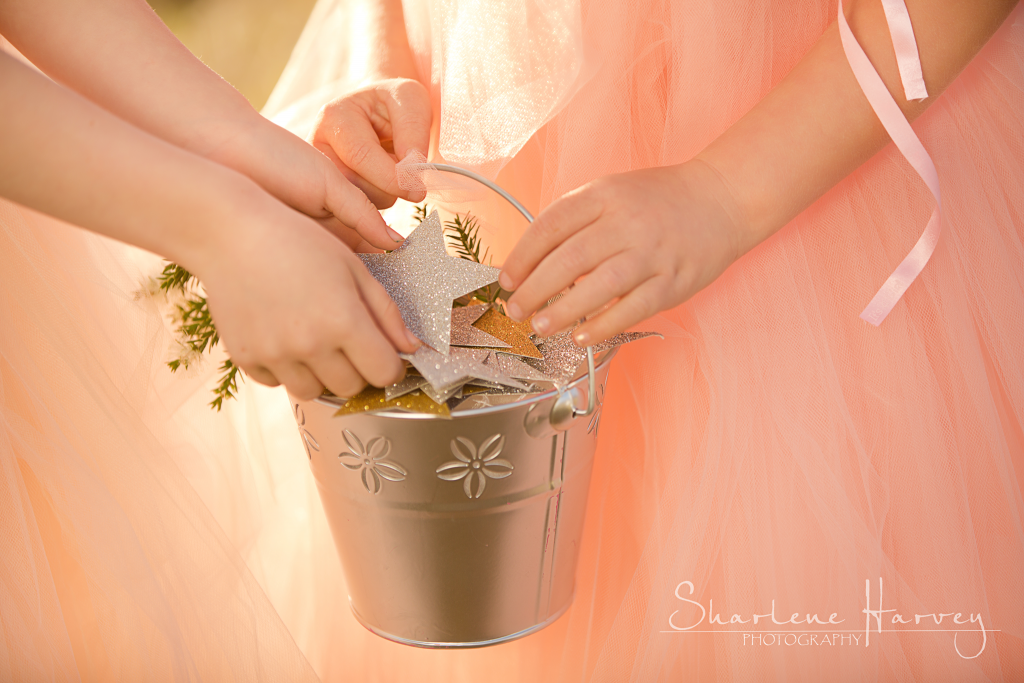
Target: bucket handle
[[564, 409]]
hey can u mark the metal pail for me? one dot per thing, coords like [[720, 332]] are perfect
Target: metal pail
[[458, 532]]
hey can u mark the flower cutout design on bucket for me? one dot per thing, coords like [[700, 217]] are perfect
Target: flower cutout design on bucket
[[307, 438], [475, 465], [370, 461]]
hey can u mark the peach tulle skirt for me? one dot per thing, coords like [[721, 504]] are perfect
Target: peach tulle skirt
[[774, 451]]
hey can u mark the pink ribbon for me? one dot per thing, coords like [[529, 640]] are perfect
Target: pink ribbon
[[905, 45], [903, 135]]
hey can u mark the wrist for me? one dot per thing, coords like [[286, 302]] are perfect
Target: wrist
[[708, 183], [211, 219], [239, 144]]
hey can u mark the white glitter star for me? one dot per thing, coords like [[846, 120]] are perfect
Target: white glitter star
[[460, 365], [423, 280]]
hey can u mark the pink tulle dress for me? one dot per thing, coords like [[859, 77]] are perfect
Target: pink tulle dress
[[774, 455]]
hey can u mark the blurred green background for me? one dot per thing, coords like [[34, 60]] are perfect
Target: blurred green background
[[246, 41]]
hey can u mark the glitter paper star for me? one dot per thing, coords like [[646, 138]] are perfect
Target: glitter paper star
[[515, 368], [406, 385], [517, 335], [488, 400], [423, 280], [454, 391], [371, 399], [457, 367], [464, 334], [562, 358], [622, 338]]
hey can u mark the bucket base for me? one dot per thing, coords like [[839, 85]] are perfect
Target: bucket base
[[450, 646]]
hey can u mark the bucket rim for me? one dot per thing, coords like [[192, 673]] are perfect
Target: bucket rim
[[604, 356]]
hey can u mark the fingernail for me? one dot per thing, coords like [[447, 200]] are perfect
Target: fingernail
[[582, 338], [413, 339], [395, 235], [541, 325], [514, 312], [505, 281]]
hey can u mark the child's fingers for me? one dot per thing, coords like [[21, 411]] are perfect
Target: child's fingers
[[555, 224], [385, 312], [408, 105], [354, 127], [581, 253], [351, 135], [335, 371], [369, 350], [640, 304], [261, 375], [349, 237], [298, 379], [352, 208], [365, 247], [614, 278], [379, 198]]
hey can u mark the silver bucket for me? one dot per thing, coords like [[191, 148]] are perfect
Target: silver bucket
[[460, 532]]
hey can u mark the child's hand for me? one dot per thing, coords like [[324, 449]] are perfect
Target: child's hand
[[295, 306], [293, 171], [645, 241], [365, 132], [349, 171]]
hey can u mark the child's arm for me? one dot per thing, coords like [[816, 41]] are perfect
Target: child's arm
[[119, 54], [292, 303], [654, 238]]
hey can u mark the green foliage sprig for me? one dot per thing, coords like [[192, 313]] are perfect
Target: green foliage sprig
[[227, 386], [196, 333], [174, 277], [463, 237]]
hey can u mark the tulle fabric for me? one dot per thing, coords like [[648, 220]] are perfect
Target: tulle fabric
[[113, 566], [772, 447]]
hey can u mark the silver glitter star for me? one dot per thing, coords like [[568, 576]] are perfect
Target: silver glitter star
[[475, 401], [562, 358], [464, 334], [515, 368], [424, 280], [406, 385], [442, 396], [458, 366]]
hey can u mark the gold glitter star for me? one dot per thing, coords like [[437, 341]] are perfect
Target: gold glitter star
[[372, 399], [423, 280], [517, 335], [464, 334]]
